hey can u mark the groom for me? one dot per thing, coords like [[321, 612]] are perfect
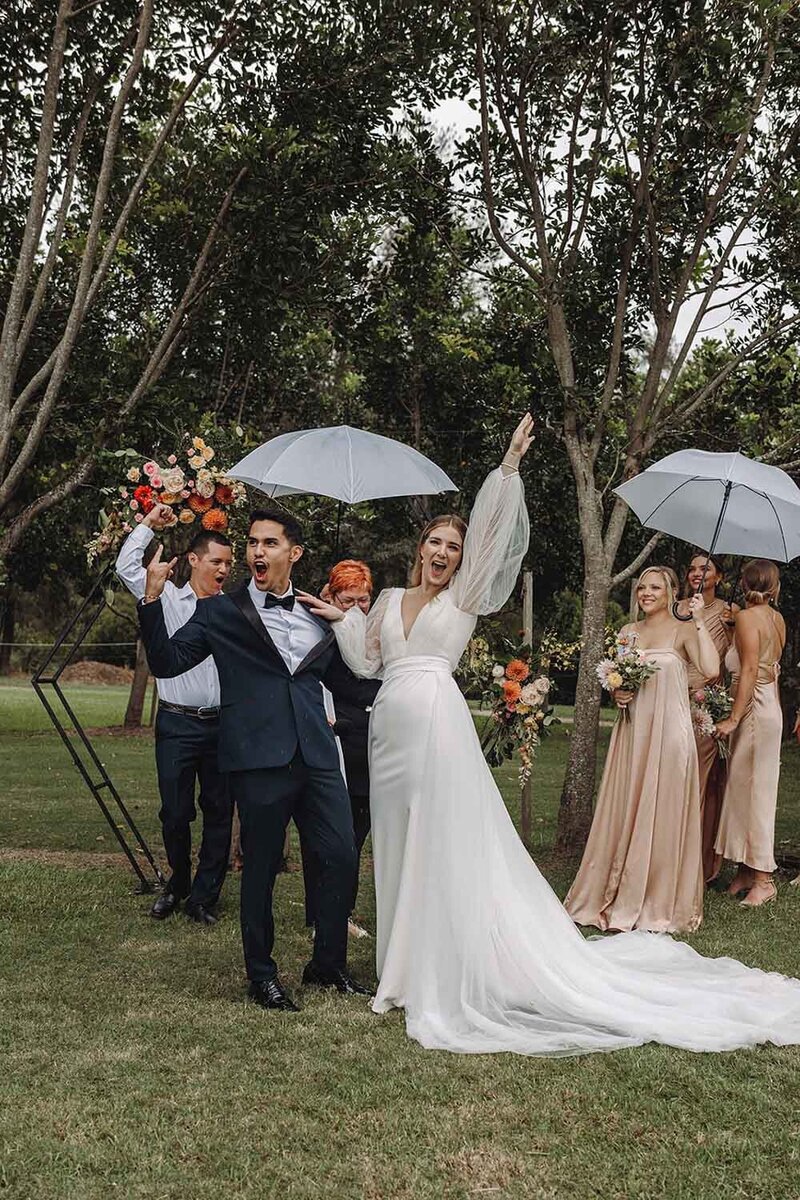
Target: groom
[[275, 740]]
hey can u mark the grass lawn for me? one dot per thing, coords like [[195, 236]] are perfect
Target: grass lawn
[[134, 1067]]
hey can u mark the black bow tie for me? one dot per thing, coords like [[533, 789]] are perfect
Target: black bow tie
[[286, 602]]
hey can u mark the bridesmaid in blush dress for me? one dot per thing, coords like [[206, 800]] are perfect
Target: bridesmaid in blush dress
[[708, 573], [642, 866], [755, 726]]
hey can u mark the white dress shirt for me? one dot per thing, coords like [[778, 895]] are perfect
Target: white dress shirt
[[294, 632], [198, 688]]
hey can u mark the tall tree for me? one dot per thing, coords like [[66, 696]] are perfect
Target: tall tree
[[637, 165], [135, 102]]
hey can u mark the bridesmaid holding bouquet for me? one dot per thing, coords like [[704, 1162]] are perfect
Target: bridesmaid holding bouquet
[[642, 866]]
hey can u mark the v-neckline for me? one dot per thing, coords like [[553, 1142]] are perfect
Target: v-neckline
[[407, 636]]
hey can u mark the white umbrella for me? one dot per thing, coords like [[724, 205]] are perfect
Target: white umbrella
[[347, 464], [721, 502]]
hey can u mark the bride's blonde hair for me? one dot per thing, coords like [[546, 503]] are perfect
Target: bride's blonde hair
[[445, 519]]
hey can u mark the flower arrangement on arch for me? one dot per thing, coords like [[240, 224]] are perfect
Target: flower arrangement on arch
[[710, 705], [190, 484], [520, 712], [626, 668]]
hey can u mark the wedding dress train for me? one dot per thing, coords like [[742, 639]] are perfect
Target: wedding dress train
[[471, 940]]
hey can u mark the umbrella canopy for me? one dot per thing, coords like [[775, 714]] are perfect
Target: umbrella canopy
[[722, 502], [347, 464]]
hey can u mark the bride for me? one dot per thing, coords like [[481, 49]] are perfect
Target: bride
[[471, 941]]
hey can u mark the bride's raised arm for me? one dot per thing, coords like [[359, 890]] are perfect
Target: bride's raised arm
[[358, 635], [498, 534]]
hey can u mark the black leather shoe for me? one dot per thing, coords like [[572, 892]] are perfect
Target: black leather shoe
[[165, 905], [344, 983], [200, 914], [269, 993]]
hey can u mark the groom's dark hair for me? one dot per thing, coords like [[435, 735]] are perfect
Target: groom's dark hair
[[292, 529]]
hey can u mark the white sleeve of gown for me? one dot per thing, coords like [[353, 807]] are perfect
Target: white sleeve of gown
[[359, 637], [494, 547]]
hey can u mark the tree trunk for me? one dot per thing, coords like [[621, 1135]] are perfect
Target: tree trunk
[[133, 713], [575, 811], [7, 624]]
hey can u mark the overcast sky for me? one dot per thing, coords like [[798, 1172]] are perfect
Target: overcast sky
[[457, 116]]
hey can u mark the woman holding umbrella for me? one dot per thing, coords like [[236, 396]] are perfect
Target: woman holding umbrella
[[755, 727], [705, 573]]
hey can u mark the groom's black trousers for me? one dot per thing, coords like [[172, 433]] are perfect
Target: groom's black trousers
[[317, 799]]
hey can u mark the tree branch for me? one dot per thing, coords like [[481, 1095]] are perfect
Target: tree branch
[[488, 188], [641, 558], [77, 309], [13, 533], [30, 236]]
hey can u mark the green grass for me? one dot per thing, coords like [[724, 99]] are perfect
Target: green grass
[[21, 710], [134, 1067]]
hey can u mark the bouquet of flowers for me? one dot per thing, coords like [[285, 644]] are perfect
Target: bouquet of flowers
[[192, 488], [709, 706], [521, 715], [625, 668]]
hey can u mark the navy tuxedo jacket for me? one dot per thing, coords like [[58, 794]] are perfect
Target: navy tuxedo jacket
[[267, 713]]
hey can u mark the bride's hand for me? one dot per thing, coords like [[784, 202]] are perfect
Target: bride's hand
[[520, 442], [320, 608]]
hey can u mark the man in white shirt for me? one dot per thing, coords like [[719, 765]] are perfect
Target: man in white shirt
[[187, 729]]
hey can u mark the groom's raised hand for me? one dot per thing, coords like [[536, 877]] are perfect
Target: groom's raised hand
[[158, 573]]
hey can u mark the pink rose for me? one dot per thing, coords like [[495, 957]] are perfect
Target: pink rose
[[155, 481], [173, 458], [134, 505], [139, 517], [185, 494], [124, 493], [150, 468], [700, 697]]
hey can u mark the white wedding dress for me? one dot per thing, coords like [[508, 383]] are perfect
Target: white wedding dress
[[471, 940]]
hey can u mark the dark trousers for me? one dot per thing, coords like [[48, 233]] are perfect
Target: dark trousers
[[186, 753], [317, 799], [359, 810]]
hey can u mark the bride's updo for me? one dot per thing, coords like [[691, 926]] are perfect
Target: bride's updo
[[445, 519], [761, 581]]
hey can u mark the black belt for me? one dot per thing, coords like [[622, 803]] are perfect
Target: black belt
[[186, 710]]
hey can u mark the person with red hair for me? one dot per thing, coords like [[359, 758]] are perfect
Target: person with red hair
[[349, 585]]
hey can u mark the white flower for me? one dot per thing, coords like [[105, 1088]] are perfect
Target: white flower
[[497, 671], [534, 692], [173, 479], [205, 485]]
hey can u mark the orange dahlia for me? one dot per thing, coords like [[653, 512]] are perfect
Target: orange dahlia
[[511, 691], [223, 493], [199, 504], [517, 670], [214, 520]]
